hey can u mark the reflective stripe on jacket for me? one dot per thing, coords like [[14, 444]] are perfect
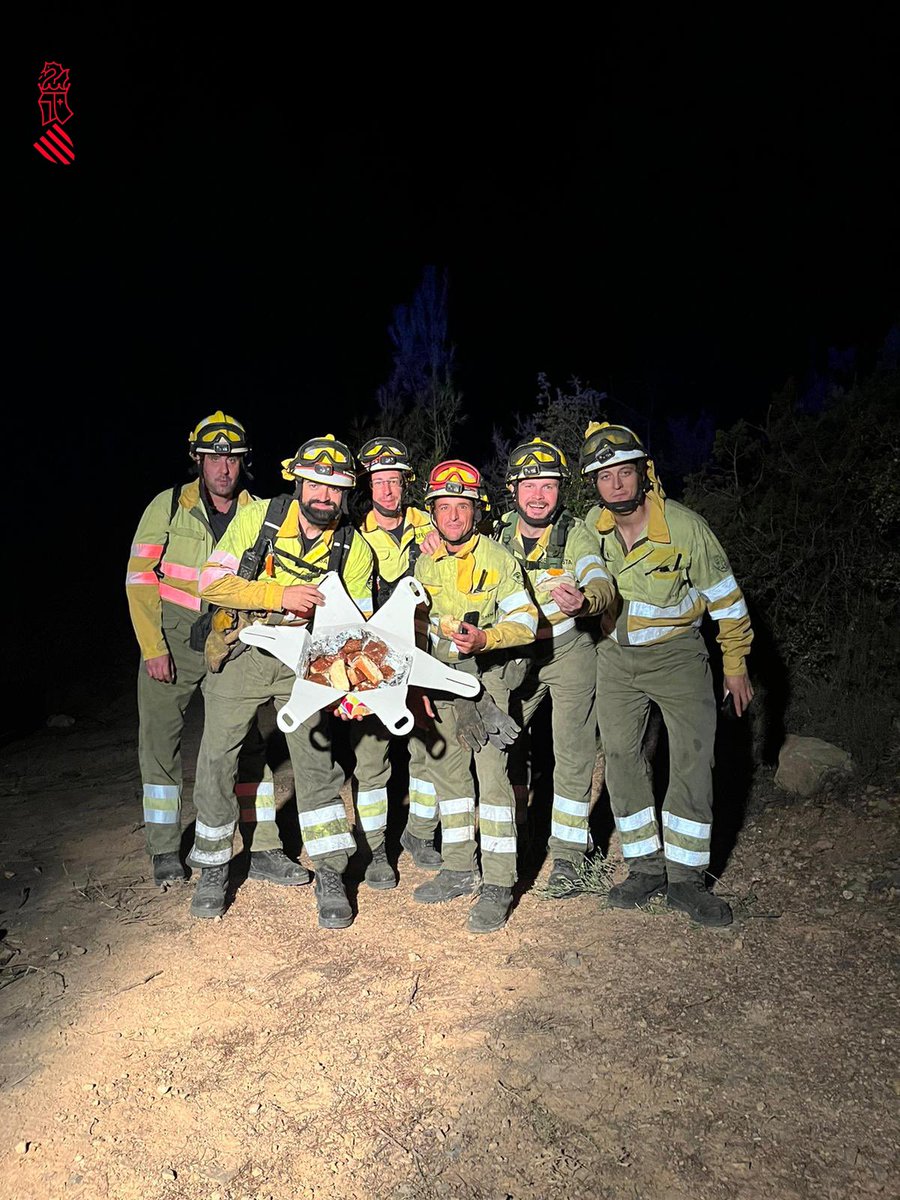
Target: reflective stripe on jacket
[[165, 563], [219, 583], [581, 556], [672, 575], [391, 557], [480, 577]]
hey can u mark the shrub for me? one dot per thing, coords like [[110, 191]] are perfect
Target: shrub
[[807, 508]]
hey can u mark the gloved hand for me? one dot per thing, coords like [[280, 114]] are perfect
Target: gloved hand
[[499, 728], [470, 731]]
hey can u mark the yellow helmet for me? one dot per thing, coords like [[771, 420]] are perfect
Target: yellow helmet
[[218, 434], [322, 460], [536, 459]]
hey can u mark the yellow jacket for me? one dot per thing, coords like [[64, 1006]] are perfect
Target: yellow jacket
[[480, 577], [391, 555], [671, 576], [580, 556], [166, 558], [219, 582]]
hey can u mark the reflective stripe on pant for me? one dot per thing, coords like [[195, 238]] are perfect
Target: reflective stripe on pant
[[568, 675], [161, 709], [371, 745], [232, 698], [441, 787], [677, 677]]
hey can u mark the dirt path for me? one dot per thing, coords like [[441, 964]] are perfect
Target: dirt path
[[582, 1052]]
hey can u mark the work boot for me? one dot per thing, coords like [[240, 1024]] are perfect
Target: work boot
[[490, 911], [636, 890], [379, 873], [422, 850], [209, 895], [167, 868], [274, 866], [446, 885], [692, 896], [334, 907], [564, 880]]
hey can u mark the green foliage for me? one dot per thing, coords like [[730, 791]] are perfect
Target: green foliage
[[807, 508], [560, 416]]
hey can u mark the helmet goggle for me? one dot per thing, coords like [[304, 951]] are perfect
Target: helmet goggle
[[608, 446], [456, 478], [219, 434], [378, 455], [536, 460], [322, 460]]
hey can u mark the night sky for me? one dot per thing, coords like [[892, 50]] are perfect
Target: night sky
[[684, 213]]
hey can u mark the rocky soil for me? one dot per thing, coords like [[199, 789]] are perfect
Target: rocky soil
[[582, 1052]]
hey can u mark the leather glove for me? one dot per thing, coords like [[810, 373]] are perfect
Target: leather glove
[[500, 729], [470, 731]]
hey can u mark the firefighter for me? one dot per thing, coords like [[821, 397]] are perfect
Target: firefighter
[[174, 538], [670, 569], [479, 610], [566, 577], [395, 530], [288, 555]]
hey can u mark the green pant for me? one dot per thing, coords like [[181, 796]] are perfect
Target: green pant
[[567, 673], [232, 698], [441, 787], [676, 676], [371, 745], [161, 709]]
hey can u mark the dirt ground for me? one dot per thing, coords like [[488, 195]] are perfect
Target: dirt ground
[[581, 1052]]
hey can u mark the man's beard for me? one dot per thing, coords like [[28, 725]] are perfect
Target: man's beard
[[538, 523], [387, 512], [319, 516]]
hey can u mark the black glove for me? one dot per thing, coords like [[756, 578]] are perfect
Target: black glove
[[470, 731], [499, 728]]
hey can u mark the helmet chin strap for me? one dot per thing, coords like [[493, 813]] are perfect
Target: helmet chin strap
[[624, 507], [544, 521], [387, 512]]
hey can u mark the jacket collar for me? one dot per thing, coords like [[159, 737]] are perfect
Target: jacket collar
[[657, 525]]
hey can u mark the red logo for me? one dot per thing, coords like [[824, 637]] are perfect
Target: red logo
[[53, 101]]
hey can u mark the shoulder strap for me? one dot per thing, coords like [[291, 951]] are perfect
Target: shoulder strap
[[414, 550], [252, 558], [560, 533], [340, 547], [176, 497]]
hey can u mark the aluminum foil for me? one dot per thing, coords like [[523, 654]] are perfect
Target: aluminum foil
[[331, 644]]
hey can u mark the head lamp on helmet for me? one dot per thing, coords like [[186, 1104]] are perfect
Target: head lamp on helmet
[[385, 454], [457, 479], [218, 434], [607, 445], [322, 460]]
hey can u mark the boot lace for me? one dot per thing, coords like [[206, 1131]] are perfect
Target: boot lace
[[330, 882]]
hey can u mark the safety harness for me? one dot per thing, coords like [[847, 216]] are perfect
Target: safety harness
[[386, 588], [264, 546], [556, 547]]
